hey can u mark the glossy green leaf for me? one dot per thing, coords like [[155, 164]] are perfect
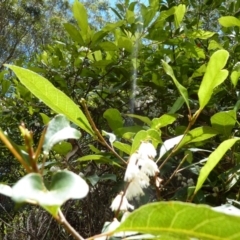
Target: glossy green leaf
[[114, 118], [52, 97], [213, 160], [163, 121], [142, 118], [80, 14], [64, 186], [213, 77], [181, 89], [223, 122], [58, 129], [74, 33], [179, 14], [229, 21], [179, 220]]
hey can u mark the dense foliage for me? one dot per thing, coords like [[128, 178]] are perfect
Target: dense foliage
[[163, 73]]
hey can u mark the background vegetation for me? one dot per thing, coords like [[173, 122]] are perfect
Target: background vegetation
[[140, 68]]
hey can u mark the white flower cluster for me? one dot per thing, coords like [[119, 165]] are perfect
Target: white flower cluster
[[140, 167]]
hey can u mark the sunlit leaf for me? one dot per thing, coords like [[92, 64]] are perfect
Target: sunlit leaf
[[142, 118], [213, 77], [213, 160], [163, 121], [179, 14], [181, 89], [179, 220], [80, 14], [229, 21], [52, 97], [223, 122]]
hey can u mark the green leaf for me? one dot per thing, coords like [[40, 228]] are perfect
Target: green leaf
[[58, 129], [62, 148], [177, 105], [45, 118], [52, 97], [229, 21], [163, 121], [213, 160], [98, 157], [125, 43], [223, 122], [114, 118], [142, 118], [179, 14], [80, 14], [201, 34], [178, 220], [122, 147], [150, 134], [181, 89], [235, 75], [74, 33], [64, 186], [5, 86], [108, 46], [198, 134], [213, 77]]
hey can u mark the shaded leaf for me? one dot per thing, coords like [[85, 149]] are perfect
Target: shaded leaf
[[52, 97], [114, 118], [122, 147]]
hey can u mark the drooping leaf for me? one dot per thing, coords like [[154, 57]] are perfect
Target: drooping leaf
[[58, 129], [213, 160], [213, 77], [52, 97], [235, 75], [229, 21], [114, 118], [80, 14], [178, 220], [223, 122], [181, 89]]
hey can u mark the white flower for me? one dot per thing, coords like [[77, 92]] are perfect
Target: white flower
[[148, 167], [134, 189], [132, 168], [147, 150], [120, 199]]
